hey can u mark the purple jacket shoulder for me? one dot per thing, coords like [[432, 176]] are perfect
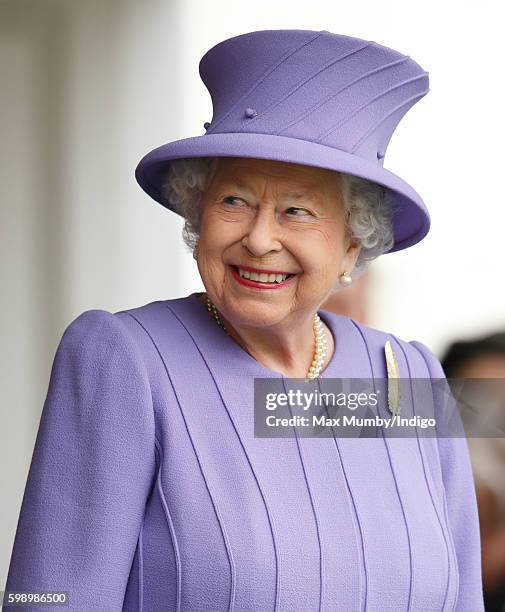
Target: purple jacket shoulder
[[92, 469]]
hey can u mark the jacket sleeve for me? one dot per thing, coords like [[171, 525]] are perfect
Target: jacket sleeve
[[91, 471], [461, 499]]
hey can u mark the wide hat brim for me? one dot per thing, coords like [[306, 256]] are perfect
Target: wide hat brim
[[411, 221]]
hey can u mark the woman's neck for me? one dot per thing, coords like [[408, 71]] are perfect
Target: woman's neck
[[280, 348]]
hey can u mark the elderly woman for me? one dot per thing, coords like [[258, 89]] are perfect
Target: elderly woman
[[148, 489]]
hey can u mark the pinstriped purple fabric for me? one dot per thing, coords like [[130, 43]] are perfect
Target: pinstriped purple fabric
[[148, 490], [306, 97]]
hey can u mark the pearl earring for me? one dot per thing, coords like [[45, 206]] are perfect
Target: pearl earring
[[345, 279]]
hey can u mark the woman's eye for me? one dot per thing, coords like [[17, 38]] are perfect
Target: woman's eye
[[298, 212], [231, 200]]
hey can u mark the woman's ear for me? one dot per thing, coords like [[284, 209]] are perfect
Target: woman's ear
[[352, 253]]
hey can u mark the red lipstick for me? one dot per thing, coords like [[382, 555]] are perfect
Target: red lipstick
[[247, 282]]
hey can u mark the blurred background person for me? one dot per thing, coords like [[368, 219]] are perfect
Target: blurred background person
[[484, 357]]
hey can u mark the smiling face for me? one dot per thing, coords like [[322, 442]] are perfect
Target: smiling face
[[261, 218]]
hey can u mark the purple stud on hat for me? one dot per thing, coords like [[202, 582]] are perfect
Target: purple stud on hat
[[306, 97]]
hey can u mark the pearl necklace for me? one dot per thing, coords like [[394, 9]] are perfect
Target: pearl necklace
[[320, 343]]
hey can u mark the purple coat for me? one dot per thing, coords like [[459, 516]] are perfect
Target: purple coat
[[148, 490]]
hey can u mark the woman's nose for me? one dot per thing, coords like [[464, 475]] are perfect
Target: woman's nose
[[262, 236]]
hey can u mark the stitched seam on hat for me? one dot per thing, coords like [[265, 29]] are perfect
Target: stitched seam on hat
[[367, 103], [336, 93], [295, 88], [269, 71], [377, 123]]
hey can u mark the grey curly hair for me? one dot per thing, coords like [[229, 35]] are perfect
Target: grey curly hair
[[369, 207]]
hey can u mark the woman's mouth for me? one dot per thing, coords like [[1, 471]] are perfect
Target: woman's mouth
[[261, 279]]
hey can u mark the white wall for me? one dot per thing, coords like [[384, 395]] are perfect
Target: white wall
[[88, 87]]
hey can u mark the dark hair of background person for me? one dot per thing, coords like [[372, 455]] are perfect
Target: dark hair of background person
[[461, 352], [458, 356]]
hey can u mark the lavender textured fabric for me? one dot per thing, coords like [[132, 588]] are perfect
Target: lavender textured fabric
[[148, 490], [307, 97]]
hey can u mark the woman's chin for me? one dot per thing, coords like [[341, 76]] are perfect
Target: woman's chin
[[250, 312]]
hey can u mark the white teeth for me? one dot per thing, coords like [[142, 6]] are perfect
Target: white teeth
[[262, 277]]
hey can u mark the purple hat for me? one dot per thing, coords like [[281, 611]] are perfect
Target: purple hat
[[306, 97]]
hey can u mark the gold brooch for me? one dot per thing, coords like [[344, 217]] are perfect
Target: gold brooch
[[393, 379]]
